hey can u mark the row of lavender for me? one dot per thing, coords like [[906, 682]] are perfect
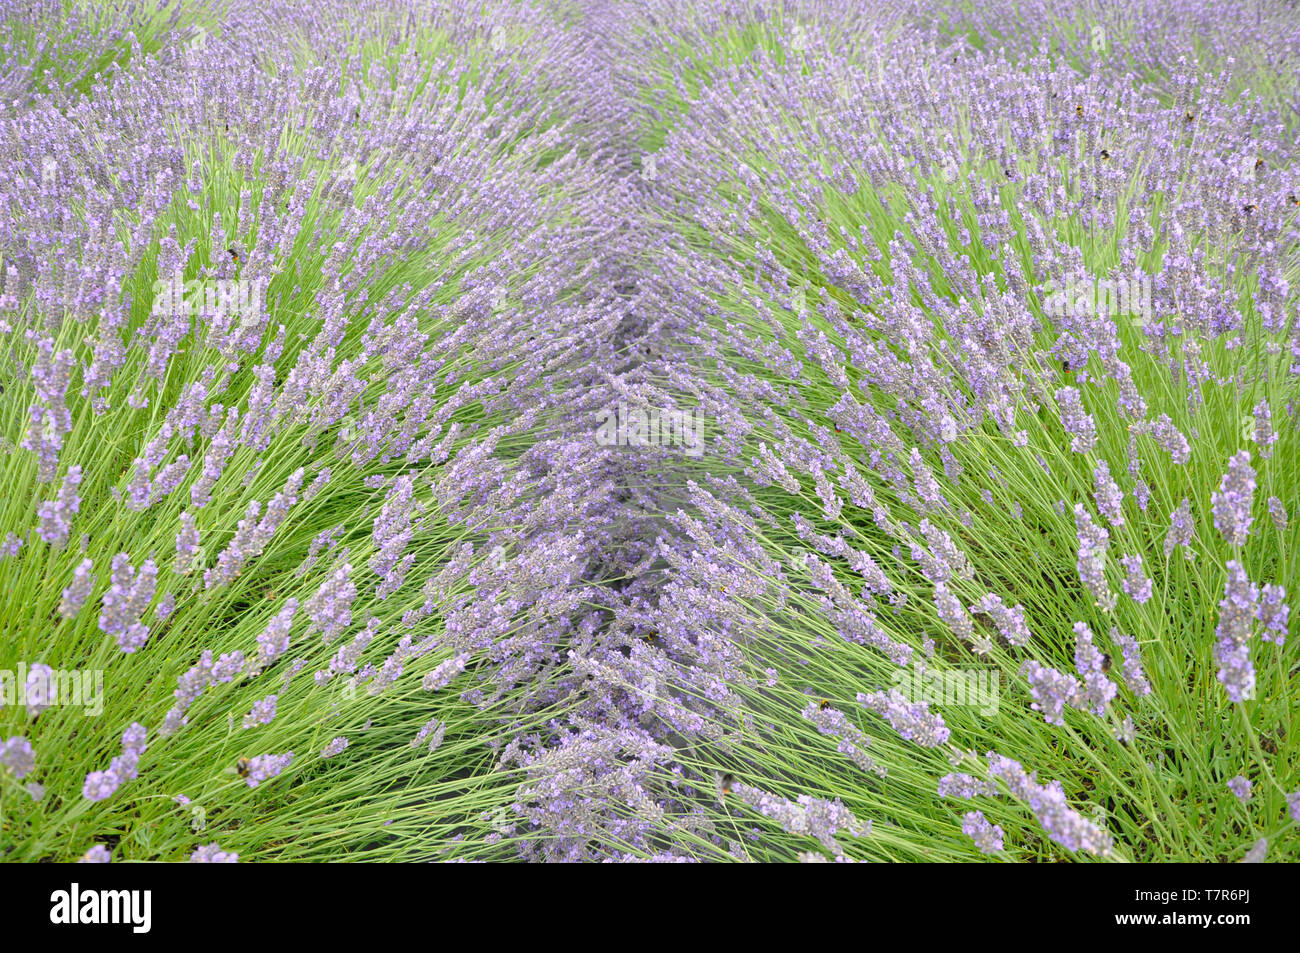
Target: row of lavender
[[673, 430], [992, 317], [305, 311]]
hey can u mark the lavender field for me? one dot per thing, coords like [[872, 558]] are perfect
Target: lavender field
[[672, 430]]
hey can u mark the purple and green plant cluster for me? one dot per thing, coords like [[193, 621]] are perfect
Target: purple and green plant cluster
[[673, 430]]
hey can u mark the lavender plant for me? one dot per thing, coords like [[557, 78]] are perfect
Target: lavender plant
[[289, 350], [996, 340], [671, 431]]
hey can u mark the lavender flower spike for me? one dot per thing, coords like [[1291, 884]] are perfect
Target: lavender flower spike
[[1231, 503]]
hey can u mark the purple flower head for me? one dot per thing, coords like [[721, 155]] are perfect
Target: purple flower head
[[213, 854], [391, 533], [1135, 585], [852, 742], [262, 712], [1272, 612], [133, 739], [9, 548], [336, 746], [100, 785], [987, 837], [128, 596], [808, 816], [263, 767], [952, 612], [274, 640], [966, 786], [1231, 503], [442, 676], [1237, 611], [1076, 421], [928, 493], [1257, 853], [1169, 438], [1278, 512], [1134, 675], [56, 515], [1180, 528], [1062, 823], [1051, 691], [1265, 435], [165, 607], [330, 609], [1009, 620], [40, 688], [1093, 541], [434, 730], [913, 720], [1098, 690], [187, 545], [1110, 501], [17, 755]]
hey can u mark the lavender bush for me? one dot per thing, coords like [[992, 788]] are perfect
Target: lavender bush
[[670, 431]]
